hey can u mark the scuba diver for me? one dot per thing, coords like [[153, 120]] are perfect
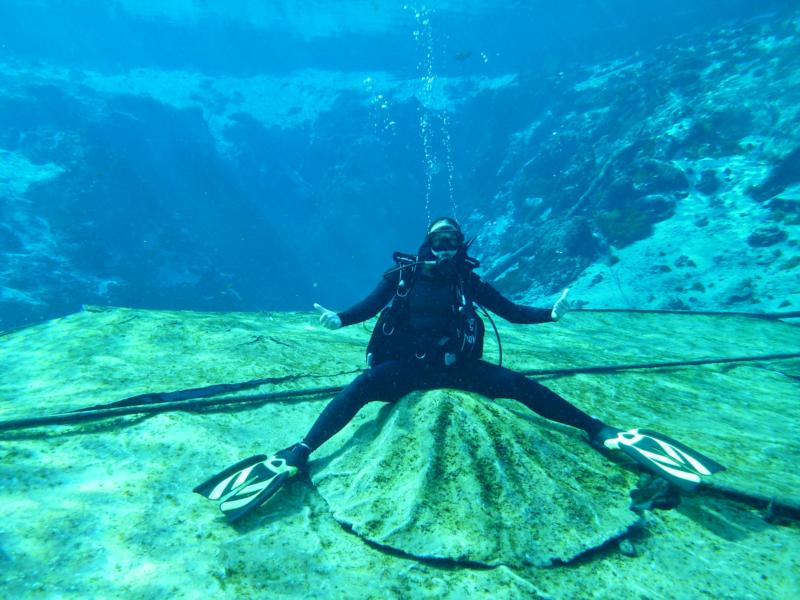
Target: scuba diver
[[429, 336]]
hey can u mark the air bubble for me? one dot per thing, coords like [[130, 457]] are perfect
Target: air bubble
[[429, 131]]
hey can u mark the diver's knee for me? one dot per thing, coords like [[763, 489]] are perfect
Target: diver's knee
[[375, 378]]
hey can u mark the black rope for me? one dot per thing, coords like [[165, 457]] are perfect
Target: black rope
[[767, 316], [200, 404], [188, 394], [187, 405], [663, 365]]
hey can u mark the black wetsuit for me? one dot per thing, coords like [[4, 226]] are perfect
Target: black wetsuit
[[430, 309]]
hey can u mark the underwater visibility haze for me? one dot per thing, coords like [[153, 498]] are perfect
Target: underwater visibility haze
[[252, 156], [182, 182]]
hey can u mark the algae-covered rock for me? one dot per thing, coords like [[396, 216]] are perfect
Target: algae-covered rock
[[452, 475], [769, 235]]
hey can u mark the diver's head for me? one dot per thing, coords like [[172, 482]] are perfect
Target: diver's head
[[445, 238]]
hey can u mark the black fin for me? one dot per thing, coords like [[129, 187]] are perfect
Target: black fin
[[268, 477], [663, 456], [227, 480]]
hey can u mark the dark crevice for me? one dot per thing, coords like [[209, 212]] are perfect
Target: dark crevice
[[774, 512], [451, 564], [603, 550], [445, 564], [774, 509]]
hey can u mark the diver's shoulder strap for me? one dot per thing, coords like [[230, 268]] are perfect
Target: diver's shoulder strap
[[402, 262], [471, 264], [470, 281], [402, 259], [406, 269]]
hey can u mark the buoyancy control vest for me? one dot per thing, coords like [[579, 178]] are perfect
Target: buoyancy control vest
[[393, 339]]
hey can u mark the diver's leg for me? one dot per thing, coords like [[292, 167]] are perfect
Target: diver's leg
[[494, 381], [246, 485], [386, 382]]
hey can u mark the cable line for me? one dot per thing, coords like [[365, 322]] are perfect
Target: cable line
[[196, 403]]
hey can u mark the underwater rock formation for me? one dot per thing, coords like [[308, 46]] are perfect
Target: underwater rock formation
[[105, 508], [451, 475], [769, 235], [662, 156], [557, 251]]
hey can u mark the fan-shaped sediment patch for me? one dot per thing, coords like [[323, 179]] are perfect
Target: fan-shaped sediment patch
[[452, 475]]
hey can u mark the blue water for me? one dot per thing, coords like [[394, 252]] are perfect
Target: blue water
[[216, 155]]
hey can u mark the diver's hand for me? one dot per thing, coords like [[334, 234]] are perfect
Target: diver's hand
[[561, 307], [328, 318]]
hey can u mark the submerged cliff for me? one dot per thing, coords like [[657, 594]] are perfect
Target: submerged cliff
[[645, 174]]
